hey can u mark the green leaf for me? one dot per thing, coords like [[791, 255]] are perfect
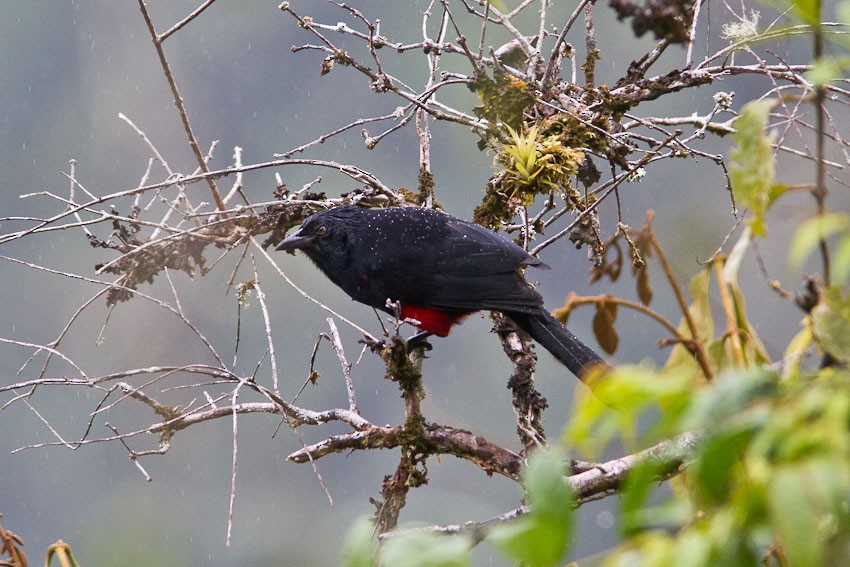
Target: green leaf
[[700, 310], [541, 537], [548, 493], [794, 518], [827, 69], [650, 549], [533, 541], [637, 515], [729, 394], [592, 426], [425, 549], [62, 552], [499, 5], [841, 260], [842, 13], [794, 351], [752, 166], [831, 318], [639, 484], [713, 473], [736, 256], [358, 547], [754, 351], [618, 403], [807, 10], [809, 235], [701, 307], [693, 550]]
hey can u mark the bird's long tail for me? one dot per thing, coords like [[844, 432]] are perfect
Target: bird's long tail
[[554, 337]]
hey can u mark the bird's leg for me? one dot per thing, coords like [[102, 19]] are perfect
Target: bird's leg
[[416, 341], [419, 339]]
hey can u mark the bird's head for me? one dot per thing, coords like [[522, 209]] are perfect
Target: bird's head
[[322, 236], [313, 230]]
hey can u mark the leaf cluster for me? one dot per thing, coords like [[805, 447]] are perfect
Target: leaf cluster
[[768, 484]]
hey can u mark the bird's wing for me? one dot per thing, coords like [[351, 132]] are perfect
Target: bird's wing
[[474, 250], [476, 269], [500, 292]]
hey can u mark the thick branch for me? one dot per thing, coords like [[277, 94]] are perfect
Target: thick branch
[[669, 456], [436, 440]]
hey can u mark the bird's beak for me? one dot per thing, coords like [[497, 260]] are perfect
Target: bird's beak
[[294, 242]]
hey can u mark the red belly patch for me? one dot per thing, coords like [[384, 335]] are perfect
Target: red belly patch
[[432, 320]]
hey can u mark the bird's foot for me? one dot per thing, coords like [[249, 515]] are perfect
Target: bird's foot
[[419, 340]]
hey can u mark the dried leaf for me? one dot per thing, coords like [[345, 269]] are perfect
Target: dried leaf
[[604, 328], [608, 268], [314, 377], [644, 288], [562, 314]]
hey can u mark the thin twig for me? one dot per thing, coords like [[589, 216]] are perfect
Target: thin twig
[[232, 502], [179, 25], [346, 366], [178, 99], [268, 325], [306, 295], [697, 343]]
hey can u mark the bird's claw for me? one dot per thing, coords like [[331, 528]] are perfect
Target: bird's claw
[[419, 340]]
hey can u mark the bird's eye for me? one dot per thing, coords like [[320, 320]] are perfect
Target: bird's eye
[[321, 230]]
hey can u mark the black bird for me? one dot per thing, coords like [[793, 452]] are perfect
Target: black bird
[[439, 268]]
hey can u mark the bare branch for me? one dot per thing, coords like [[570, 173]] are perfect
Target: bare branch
[[178, 99], [668, 456]]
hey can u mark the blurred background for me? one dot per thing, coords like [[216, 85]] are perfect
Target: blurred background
[[68, 69]]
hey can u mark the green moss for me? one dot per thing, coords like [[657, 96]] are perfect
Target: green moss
[[540, 161], [400, 367], [504, 99]]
